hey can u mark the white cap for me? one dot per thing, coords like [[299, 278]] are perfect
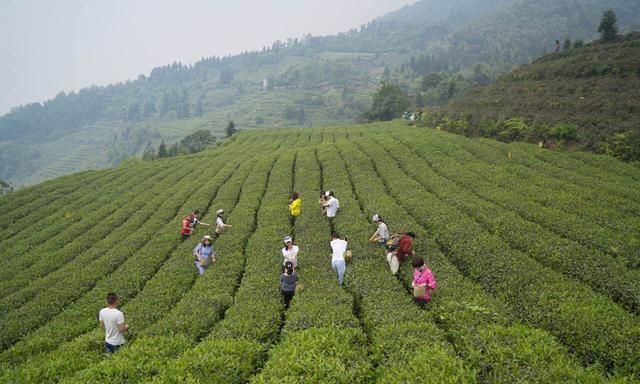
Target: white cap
[[206, 237], [219, 211], [287, 239], [376, 217], [327, 193]]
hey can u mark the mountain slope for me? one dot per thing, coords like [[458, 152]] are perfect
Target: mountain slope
[[595, 88], [309, 81], [543, 314]]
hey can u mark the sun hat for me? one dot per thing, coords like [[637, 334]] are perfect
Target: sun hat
[[375, 217], [287, 239], [219, 211], [206, 237]]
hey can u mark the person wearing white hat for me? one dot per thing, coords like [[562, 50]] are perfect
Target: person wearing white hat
[[204, 254], [220, 224], [290, 252], [381, 234]]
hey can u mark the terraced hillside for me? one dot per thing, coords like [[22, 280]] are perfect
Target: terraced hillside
[[536, 253]]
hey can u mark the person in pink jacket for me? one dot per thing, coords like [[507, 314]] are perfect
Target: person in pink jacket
[[423, 281]]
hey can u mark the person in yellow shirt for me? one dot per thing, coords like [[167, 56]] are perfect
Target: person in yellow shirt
[[294, 205]]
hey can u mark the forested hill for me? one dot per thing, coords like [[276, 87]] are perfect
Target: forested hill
[[309, 81], [587, 96]]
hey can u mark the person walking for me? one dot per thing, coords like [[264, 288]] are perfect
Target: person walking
[[112, 321], [423, 282], [381, 235], [332, 204], [338, 248], [290, 252], [220, 224], [294, 205], [288, 279], [204, 254]]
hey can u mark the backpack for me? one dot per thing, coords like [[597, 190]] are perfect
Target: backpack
[[392, 244]]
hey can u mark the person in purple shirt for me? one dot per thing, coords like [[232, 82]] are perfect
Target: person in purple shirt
[[288, 279]]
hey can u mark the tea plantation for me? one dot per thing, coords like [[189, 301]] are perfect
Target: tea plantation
[[536, 254]]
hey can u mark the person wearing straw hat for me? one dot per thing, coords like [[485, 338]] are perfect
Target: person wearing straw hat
[[204, 254], [290, 252], [220, 224], [381, 234]]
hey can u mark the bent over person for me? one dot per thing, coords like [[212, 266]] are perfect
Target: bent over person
[[112, 321]]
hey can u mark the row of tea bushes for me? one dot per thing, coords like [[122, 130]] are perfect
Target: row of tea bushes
[[597, 330], [452, 184]]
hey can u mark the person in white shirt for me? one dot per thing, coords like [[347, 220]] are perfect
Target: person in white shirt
[[112, 321], [220, 224], [332, 204], [382, 233], [338, 264], [290, 252]]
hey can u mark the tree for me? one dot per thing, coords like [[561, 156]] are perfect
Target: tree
[[173, 150], [231, 128], [162, 150], [197, 141], [608, 26], [389, 102], [5, 188], [149, 153], [226, 76], [386, 74], [301, 115]]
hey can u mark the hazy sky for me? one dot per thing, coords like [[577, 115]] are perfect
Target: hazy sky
[[47, 46]]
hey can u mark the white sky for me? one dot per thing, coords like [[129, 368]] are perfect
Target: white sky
[[52, 45]]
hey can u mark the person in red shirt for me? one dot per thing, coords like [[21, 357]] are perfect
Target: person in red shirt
[[185, 228], [405, 246], [189, 224]]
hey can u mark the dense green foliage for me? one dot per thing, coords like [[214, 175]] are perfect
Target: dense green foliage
[[434, 50], [536, 254], [585, 97], [608, 26], [389, 102], [5, 187], [195, 142]]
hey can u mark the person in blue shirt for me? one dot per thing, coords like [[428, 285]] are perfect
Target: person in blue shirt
[[204, 254]]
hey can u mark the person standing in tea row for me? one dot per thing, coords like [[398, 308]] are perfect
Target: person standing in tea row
[[204, 254], [112, 321], [331, 204], [288, 279]]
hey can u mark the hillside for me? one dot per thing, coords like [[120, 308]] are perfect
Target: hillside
[[536, 255], [586, 96], [310, 81]]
